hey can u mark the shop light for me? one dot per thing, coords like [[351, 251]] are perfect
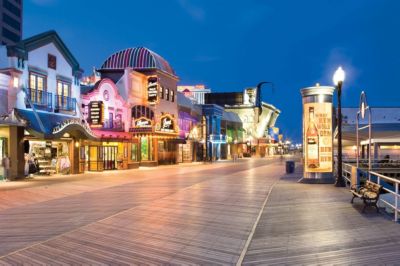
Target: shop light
[[15, 82], [77, 144]]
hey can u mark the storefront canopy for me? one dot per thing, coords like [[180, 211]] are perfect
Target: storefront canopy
[[54, 126]]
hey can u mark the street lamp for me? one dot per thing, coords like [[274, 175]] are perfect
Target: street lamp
[[338, 79]]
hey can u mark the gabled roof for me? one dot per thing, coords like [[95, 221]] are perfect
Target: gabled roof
[[23, 47]]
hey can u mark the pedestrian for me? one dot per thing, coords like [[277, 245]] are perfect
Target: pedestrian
[[6, 166], [26, 166]]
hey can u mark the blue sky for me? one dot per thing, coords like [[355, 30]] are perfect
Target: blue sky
[[230, 45]]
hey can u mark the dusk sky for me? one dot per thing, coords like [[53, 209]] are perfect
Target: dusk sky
[[230, 45]]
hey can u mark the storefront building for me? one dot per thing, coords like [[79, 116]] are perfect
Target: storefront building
[[44, 97], [256, 116], [148, 84], [232, 127], [190, 130], [108, 115], [214, 139]]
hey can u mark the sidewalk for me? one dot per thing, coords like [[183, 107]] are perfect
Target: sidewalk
[[306, 224]]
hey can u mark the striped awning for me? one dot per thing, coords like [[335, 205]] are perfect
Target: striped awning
[[139, 58]]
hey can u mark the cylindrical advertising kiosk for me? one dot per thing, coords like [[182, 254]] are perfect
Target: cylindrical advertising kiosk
[[317, 134]]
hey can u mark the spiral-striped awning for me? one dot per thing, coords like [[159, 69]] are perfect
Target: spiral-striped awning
[[139, 58]]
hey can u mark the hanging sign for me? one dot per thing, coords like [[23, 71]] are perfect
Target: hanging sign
[[96, 113], [317, 119], [152, 90]]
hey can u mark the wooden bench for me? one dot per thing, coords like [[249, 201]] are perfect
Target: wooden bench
[[369, 193]]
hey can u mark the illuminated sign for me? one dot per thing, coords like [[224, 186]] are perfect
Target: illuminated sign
[[317, 125], [142, 122], [96, 113], [68, 122], [152, 90], [167, 124]]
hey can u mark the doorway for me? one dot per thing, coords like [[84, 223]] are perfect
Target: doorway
[[110, 157]]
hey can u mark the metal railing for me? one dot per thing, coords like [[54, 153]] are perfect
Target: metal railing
[[40, 97], [390, 185], [113, 125], [64, 103]]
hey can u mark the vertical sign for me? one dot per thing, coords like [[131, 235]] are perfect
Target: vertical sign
[[317, 124], [152, 90], [96, 113]]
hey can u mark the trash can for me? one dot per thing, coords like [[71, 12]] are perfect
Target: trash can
[[289, 167]]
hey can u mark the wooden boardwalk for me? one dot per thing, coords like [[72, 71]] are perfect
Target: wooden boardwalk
[[179, 216], [306, 224], [201, 215]]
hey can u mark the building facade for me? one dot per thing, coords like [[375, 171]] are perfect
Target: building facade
[[195, 92], [10, 21], [108, 115], [149, 85], [256, 118], [43, 98]]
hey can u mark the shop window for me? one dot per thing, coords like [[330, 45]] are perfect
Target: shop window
[[134, 152], [110, 120], [167, 94], [37, 84], [144, 149], [63, 88], [139, 111], [161, 92]]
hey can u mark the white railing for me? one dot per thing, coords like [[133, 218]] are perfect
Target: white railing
[[381, 180], [394, 192]]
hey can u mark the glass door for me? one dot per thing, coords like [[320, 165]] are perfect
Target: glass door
[[144, 149], [110, 157]]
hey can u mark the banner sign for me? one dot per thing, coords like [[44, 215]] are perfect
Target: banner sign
[[317, 119], [96, 113], [152, 90]]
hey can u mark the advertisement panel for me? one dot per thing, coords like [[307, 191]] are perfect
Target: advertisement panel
[[317, 119]]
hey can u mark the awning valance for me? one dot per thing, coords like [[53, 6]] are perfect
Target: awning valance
[[54, 126]]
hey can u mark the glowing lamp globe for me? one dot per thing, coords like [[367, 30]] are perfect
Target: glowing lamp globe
[[339, 76]]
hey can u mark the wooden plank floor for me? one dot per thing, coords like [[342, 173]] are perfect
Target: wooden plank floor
[[305, 224], [178, 216]]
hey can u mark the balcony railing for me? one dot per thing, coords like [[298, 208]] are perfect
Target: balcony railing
[[40, 98], [63, 103], [113, 125]]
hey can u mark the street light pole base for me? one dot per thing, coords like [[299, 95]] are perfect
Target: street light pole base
[[340, 183]]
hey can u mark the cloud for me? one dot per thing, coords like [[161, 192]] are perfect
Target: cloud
[[196, 12]]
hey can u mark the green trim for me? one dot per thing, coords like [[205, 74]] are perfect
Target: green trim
[[22, 48], [37, 70], [64, 79]]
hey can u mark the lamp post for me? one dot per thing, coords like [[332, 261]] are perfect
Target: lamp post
[[338, 79]]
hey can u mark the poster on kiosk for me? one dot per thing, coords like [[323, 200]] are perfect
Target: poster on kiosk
[[317, 134]]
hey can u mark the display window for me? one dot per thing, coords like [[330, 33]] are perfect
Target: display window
[[47, 157], [134, 152]]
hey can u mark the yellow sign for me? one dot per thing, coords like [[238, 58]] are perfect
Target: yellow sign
[[317, 134]]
